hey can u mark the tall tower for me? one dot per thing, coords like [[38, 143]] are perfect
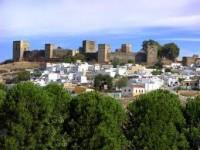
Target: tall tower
[[49, 51], [89, 47], [126, 48], [151, 54], [103, 50], [19, 47]]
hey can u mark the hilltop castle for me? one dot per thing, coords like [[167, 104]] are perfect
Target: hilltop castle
[[101, 53]]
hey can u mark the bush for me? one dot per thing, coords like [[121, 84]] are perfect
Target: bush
[[23, 76]]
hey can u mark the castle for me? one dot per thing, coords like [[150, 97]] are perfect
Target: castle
[[93, 53]]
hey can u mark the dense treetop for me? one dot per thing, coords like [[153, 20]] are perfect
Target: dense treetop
[[169, 51], [155, 121], [33, 117], [192, 115], [94, 122], [103, 82]]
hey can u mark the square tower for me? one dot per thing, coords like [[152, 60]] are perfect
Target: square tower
[[89, 46], [152, 54], [19, 47], [49, 48], [103, 50], [126, 48]]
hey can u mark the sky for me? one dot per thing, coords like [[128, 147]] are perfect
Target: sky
[[66, 23]]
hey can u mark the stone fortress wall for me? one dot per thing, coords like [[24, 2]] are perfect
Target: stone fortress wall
[[102, 54]]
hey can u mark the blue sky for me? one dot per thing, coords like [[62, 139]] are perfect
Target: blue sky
[[67, 22]]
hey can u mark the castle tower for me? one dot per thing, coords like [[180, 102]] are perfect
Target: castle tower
[[151, 54], [89, 47], [19, 47], [103, 50], [126, 48], [49, 51]]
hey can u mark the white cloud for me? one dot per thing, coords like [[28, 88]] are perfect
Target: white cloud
[[47, 17]]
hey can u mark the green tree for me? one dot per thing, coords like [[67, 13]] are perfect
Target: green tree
[[60, 100], [131, 61], [23, 76], [156, 72], [2, 87], [158, 65], [101, 81], [80, 57], [116, 62], [155, 122], [2, 97], [122, 82], [192, 116], [73, 59], [170, 51], [168, 70], [145, 44], [25, 118], [94, 122]]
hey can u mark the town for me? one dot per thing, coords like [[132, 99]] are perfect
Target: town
[[122, 74]]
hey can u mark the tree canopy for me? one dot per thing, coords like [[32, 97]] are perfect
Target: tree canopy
[[30, 118], [192, 115], [116, 62], [33, 117], [169, 51], [155, 122], [94, 122], [145, 44], [103, 82]]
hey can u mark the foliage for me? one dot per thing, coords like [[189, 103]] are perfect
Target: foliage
[[26, 112], [180, 79], [145, 44], [122, 82], [22, 76], [60, 101], [73, 59], [192, 115], [117, 62], [36, 74], [31, 118], [101, 81], [2, 97], [94, 122], [168, 70], [155, 121], [2, 87], [158, 65], [156, 72], [170, 51], [131, 61]]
